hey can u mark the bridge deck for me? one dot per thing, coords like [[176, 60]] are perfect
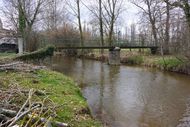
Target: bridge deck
[[109, 47]]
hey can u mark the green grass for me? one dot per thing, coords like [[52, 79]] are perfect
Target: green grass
[[169, 62], [7, 55], [62, 91]]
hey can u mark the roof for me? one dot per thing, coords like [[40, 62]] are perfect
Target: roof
[[6, 33], [8, 40]]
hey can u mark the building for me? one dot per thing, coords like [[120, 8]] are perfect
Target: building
[[8, 42]]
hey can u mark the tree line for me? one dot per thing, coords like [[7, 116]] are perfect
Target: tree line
[[164, 23]]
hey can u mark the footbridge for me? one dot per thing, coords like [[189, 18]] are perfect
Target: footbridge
[[152, 48]]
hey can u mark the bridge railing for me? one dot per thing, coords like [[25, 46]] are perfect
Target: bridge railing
[[92, 43], [97, 43]]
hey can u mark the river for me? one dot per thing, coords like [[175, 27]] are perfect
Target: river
[[125, 96]]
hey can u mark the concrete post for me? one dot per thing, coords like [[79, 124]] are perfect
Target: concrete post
[[114, 56], [20, 46]]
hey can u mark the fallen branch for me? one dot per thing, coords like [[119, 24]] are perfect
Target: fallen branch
[[35, 114], [49, 122], [8, 113], [20, 66], [3, 118]]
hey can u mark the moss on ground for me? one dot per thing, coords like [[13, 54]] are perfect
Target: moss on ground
[[61, 90]]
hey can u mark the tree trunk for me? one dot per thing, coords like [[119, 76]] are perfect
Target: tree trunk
[[154, 32], [101, 26], [152, 21], [186, 9], [80, 26], [167, 35], [22, 27], [110, 37]]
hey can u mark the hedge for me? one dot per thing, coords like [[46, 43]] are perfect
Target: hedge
[[40, 54]]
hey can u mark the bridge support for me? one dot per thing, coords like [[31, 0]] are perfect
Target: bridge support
[[20, 45], [114, 56]]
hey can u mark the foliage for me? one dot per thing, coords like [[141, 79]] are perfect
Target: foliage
[[22, 22], [39, 54]]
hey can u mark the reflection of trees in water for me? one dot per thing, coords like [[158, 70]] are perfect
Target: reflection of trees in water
[[65, 64], [107, 79], [83, 65], [102, 74]]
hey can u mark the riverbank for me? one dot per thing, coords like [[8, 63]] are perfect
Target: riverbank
[[166, 63], [57, 92]]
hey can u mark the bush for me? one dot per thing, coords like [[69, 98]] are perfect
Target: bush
[[170, 62], [135, 60], [39, 54]]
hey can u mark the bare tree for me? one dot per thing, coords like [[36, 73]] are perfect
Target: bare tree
[[26, 15], [75, 8], [29, 10], [79, 22], [101, 26], [112, 11], [167, 29], [51, 15], [163, 26], [184, 5], [10, 12], [96, 9], [149, 8]]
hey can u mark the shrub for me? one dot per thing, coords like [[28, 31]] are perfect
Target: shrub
[[170, 62], [39, 54], [135, 60]]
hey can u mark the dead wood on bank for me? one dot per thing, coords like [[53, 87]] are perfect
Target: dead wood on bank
[[31, 113], [20, 66]]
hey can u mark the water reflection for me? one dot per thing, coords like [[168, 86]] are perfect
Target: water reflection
[[124, 96]]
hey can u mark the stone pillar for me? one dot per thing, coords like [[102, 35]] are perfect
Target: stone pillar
[[20, 45], [114, 56]]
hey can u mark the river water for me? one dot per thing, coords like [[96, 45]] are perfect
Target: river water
[[124, 96]]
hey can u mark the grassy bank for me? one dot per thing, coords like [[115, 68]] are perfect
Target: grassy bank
[[61, 91], [144, 58], [6, 57]]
